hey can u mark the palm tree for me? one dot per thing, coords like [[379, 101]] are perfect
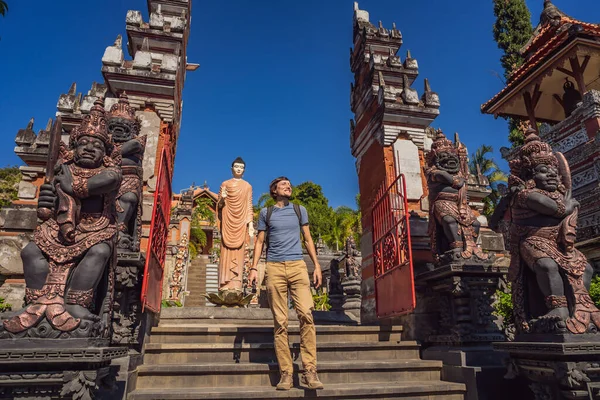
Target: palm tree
[[343, 222], [488, 168], [3, 8]]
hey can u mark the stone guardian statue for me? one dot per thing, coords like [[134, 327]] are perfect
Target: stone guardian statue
[[124, 127], [550, 277], [453, 227], [69, 265]]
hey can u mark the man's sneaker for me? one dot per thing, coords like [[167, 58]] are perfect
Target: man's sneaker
[[286, 382], [311, 380]]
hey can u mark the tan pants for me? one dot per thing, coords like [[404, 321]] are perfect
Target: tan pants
[[293, 275]]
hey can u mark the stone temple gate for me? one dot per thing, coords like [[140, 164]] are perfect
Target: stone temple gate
[[153, 80]]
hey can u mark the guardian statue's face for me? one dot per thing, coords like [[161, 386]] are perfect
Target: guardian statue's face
[[89, 152], [546, 177], [448, 162], [121, 129]]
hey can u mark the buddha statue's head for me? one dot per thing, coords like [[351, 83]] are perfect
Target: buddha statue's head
[[238, 166]]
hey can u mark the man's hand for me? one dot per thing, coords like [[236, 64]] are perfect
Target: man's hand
[[253, 277], [317, 276], [224, 193]]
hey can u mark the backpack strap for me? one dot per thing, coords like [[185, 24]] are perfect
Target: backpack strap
[[299, 214], [267, 221]]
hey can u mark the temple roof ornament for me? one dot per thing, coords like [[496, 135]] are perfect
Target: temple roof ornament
[[560, 47]]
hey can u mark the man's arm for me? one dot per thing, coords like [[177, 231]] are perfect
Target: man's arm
[[259, 241], [310, 247]]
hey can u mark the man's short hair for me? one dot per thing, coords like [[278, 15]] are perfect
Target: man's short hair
[[238, 160], [274, 183]]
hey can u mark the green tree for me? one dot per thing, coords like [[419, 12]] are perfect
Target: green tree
[[334, 226], [341, 221], [3, 8], [489, 168], [320, 215], [9, 185], [203, 212], [512, 30]]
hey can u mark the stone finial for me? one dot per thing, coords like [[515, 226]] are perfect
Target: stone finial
[[393, 60], [169, 63], [551, 14], [43, 137], [26, 136], [134, 17], [382, 31], [395, 32], [157, 19], [409, 62], [143, 57], [409, 95], [360, 15], [113, 55], [430, 98], [66, 101], [118, 42]]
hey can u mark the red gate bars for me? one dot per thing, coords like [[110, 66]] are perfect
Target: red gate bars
[[392, 252], [159, 230]]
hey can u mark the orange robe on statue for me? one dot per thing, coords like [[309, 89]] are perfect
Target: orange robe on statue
[[234, 217]]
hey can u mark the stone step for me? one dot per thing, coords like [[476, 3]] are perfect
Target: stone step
[[415, 390], [192, 353], [218, 316], [181, 333], [267, 374]]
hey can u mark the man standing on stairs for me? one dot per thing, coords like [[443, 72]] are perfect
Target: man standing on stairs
[[281, 225]]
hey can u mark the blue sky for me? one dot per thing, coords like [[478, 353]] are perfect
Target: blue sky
[[274, 78]]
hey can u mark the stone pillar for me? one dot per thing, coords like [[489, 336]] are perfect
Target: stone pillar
[[460, 328]]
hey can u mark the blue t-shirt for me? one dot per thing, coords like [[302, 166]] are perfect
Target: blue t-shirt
[[284, 232]]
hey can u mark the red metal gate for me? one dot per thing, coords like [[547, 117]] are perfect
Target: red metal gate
[[159, 230], [392, 253]]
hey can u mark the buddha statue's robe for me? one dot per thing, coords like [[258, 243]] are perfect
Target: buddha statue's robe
[[234, 217]]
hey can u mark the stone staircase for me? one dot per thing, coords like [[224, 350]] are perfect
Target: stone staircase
[[196, 282], [208, 358]]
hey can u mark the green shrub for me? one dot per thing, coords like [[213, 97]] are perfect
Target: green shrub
[[503, 307], [321, 300], [595, 290], [171, 303], [4, 306]]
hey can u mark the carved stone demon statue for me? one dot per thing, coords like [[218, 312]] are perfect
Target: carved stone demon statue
[[69, 265], [453, 228], [550, 278], [124, 127]]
